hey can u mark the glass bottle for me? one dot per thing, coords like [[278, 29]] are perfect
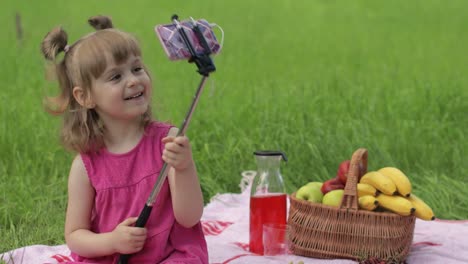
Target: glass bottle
[[267, 197]]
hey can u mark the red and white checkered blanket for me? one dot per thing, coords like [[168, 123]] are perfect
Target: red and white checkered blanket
[[226, 226]]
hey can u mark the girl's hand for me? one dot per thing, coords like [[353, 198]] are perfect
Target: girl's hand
[[177, 152], [128, 239]]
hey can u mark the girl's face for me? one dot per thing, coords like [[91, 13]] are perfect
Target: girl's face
[[123, 91]]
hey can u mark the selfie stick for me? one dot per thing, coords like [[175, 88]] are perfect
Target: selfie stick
[[205, 67]]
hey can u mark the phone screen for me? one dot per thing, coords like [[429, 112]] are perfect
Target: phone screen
[[174, 45]]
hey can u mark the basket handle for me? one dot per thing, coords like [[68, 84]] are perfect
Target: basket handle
[[350, 197]]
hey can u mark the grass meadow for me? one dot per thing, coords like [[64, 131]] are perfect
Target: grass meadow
[[316, 79]]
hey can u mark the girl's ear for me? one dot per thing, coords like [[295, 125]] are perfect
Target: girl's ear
[[82, 98]]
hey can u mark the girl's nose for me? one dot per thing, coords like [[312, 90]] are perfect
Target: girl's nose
[[132, 81]]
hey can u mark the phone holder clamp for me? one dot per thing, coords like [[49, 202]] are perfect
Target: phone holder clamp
[[202, 60]]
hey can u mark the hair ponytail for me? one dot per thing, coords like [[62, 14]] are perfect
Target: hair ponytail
[[100, 22], [54, 42]]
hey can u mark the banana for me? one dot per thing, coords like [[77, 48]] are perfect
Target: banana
[[366, 189], [401, 181], [396, 204], [423, 211], [368, 202], [380, 182]]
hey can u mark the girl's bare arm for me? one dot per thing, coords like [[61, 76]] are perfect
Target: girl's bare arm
[[187, 197], [80, 239]]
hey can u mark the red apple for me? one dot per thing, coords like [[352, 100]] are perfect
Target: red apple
[[342, 172], [362, 170], [332, 184]]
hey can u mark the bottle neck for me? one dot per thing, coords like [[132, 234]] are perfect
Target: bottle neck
[[268, 164], [268, 179]]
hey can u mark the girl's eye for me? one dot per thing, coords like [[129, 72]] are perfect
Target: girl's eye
[[115, 77], [137, 69]]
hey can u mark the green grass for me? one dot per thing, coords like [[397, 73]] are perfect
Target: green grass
[[317, 79]]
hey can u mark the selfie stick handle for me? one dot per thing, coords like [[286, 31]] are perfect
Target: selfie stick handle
[[205, 67]]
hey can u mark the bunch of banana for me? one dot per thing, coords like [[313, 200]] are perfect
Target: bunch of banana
[[379, 181], [396, 204], [402, 183], [393, 191], [368, 202], [423, 211], [366, 189]]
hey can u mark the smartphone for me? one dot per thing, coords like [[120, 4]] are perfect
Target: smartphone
[[174, 45]]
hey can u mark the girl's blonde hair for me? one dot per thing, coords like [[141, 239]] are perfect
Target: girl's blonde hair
[[85, 60]]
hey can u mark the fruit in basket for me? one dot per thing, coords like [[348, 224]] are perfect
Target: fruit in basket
[[396, 204], [332, 184], [362, 170], [333, 198], [423, 211], [342, 172], [310, 192], [316, 184], [401, 181], [379, 181], [368, 202], [366, 189]]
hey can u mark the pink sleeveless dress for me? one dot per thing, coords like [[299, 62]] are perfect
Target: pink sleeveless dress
[[123, 183]]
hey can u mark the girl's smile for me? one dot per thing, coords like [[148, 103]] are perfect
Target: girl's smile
[[138, 95], [123, 91]]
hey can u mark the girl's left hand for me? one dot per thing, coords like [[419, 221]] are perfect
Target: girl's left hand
[[177, 152]]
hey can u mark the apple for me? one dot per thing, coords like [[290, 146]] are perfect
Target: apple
[[331, 184], [333, 198], [342, 172], [310, 192], [317, 184], [362, 171]]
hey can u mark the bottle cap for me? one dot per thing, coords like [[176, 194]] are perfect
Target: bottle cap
[[271, 153]]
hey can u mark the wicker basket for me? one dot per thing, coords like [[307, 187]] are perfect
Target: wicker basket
[[322, 231]]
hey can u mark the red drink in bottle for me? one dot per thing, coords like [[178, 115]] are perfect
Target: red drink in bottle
[[268, 208], [267, 197]]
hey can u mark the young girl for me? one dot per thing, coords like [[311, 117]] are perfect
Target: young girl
[[105, 102]]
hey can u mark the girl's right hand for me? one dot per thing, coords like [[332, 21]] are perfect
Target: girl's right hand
[[128, 239]]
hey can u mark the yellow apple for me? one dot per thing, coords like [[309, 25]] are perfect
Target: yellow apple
[[333, 198], [318, 184], [310, 192]]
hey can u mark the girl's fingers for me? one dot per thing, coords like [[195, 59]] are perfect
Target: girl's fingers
[[181, 140], [137, 245], [169, 154], [167, 139], [139, 239], [174, 147], [138, 231], [129, 221], [176, 150], [171, 162]]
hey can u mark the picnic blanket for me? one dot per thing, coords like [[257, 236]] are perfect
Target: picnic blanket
[[225, 223]]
